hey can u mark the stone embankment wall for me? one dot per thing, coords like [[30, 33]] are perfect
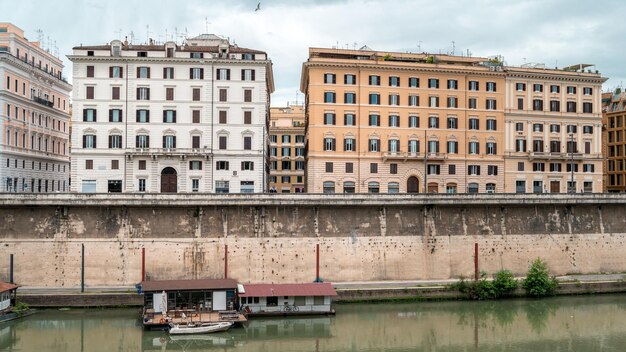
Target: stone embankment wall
[[273, 238]]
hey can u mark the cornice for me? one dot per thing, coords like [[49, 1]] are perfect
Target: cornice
[[438, 69], [205, 61], [553, 75]]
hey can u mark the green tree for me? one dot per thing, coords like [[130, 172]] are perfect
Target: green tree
[[538, 282]]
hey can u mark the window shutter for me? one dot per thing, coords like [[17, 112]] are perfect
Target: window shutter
[[164, 72], [94, 141], [84, 114], [84, 141], [253, 75], [148, 72], [247, 117], [110, 115], [228, 74], [137, 93], [138, 70], [164, 142], [136, 141], [147, 141], [334, 119], [110, 141], [174, 116], [148, 90], [217, 72], [110, 71], [121, 72], [164, 115], [201, 73], [243, 74], [190, 73], [495, 148]]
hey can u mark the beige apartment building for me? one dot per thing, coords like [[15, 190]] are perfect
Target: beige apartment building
[[398, 122], [287, 149], [614, 141], [553, 129]]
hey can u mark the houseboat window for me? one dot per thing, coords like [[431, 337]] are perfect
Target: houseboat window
[[299, 301], [272, 301], [318, 300], [286, 297], [256, 300]]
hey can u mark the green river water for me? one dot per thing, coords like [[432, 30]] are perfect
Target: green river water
[[583, 323]]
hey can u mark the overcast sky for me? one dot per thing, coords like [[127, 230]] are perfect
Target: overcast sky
[[554, 32]]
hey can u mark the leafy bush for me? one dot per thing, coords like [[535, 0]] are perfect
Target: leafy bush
[[20, 308], [504, 283], [538, 282]]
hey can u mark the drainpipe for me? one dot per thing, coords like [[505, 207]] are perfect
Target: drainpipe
[[11, 269]]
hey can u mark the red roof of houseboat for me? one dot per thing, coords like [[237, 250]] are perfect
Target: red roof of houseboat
[[5, 286], [187, 285], [269, 290]]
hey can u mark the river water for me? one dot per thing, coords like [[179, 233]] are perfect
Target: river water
[[584, 323]]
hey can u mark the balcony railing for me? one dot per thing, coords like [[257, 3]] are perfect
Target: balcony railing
[[45, 102], [169, 151], [10, 57]]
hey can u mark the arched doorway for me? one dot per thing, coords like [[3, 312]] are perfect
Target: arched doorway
[[169, 180], [412, 185]]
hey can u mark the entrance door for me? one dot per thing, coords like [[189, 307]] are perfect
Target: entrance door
[[168, 180], [412, 185], [555, 187]]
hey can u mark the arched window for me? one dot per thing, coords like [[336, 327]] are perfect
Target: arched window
[[348, 187], [472, 188], [373, 187], [329, 187], [393, 187]]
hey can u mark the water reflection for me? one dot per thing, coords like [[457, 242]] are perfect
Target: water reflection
[[565, 324]]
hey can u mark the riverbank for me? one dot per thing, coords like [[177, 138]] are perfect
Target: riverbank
[[369, 291]]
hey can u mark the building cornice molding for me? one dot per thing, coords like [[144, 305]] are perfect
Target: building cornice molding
[[556, 76], [438, 69]]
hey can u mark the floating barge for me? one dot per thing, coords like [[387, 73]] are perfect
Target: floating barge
[[286, 299], [187, 301]]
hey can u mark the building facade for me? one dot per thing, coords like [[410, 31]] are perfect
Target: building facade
[[34, 115], [614, 140], [399, 122], [170, 118], [287, 149], [553, 130]]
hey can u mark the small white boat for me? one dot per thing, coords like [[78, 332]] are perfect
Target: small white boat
[[206, 328]]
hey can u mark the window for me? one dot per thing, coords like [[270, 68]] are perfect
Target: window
[[328, 187], [223, 94], [434, 169], [453, 147], [393, 187], [115, 142], [571, 106], [143, 72], [195, 116], [196, 73], [537, 88], [492, 148], [168, 72], [473, 124], [247, 143], [492, 170], [520, 103], [520, 87], [142, 185], [520, 186], [587, 108], [329, 144], [393, 168], [373, 145], [554, 128], [89, 115], [491, 86], [414, 82], [537, 127], [555, 89], [141, 165], [330, 78], [223, 187], [89, 164], [221, 165], [89, 141], [433, 147], [394, 145], [394, 99], [374, 80], [169, 141], [433, 102], [473, 85], [538, 146], [223, 74], [394, 121], [248, 75], [195, 165], [571, 90], [414, 146], [90, 92], [349, 144], [286, 138], [452, 123], [433, 83], [453, 84], [374, 168], [247, 117], [348, 120], [394, 81], [246, 187], [90, 71], [329, 97], [115, 93], [414, 100], [572, 128], [587, 91], [539, 167], [247, 95], [223, 142], [472, 103], [451, 188], [374, 99], [414, 121], [349, 98], [555, 167], [555, 105], [143, 115], [349, 79], [473, 170], [452, 169], [588, 167], [373, 187], [142, 141], [491, 125], [555, 146], [169, 94], [433, 122], [349, 168], [452, 102], [537, 186], [474, 147], [490, 104], [195, 95], [329, 167], [169, 116], [374, 120], [143, 93], [329, 119]]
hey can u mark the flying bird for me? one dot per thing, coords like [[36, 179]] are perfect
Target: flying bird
[[258, 7]]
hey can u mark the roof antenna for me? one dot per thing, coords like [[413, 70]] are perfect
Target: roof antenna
[[453, 47], [206, 25], [419, 46], [147, 33]]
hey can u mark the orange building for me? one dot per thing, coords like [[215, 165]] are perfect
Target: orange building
[[398, 122], [614, 140], [287, 149]]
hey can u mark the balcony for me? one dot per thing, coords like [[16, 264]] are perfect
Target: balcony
[[436, 156], [204, 152], [41, 101], [16, 60]]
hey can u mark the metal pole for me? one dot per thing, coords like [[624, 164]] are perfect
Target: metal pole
[[82, 269], [317, 263], [476, 261], [11, 269], [143, 264], [226, 261]]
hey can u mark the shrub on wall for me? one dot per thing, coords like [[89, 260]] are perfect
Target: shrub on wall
[[538, 282]]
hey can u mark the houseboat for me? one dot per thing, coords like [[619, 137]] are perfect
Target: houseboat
[[182, 302], [287, 299]]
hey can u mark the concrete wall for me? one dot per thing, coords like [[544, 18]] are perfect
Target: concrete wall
[[273, 238]]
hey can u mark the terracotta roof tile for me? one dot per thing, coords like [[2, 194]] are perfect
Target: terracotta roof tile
[[269, 290]]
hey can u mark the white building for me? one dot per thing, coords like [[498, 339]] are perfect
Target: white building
[[287, 299], [170, 118], [34, 115]]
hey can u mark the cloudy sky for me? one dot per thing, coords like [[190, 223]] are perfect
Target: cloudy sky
[[554, 32]]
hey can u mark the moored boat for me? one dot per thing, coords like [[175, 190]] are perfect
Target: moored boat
[[206, 328]]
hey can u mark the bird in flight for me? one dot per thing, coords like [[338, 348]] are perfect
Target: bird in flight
[[258, 7]]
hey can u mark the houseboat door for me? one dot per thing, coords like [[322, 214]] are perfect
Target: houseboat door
[[159, 302], [219, 300]]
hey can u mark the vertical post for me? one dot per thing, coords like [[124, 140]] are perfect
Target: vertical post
[[11, 269], [476, 261], [226, 261], [143, 264], [317, 263], [572, 189], [82, 269]]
